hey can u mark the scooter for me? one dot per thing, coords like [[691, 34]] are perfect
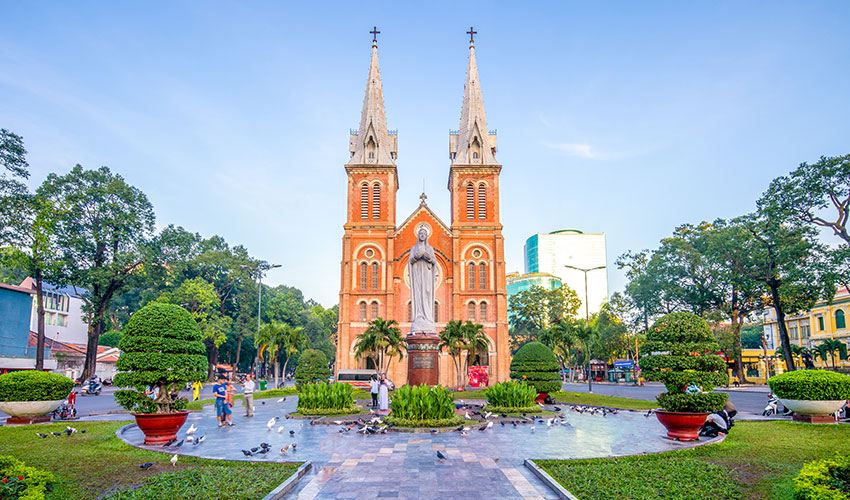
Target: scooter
[[772, 402], [92, 387]]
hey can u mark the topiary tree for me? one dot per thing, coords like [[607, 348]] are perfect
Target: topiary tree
[[312, 367], [536, 364], [161, 348], [31, 385], [681, 352]]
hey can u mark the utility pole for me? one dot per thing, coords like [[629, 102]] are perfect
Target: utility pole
[[587, 321]]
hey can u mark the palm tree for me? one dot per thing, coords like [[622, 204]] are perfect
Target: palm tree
[[476, 340], [829, 347], [269, 340], [381, 339], [293, 338], [453, 340]]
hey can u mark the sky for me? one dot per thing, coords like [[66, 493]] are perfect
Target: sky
[[628, 118]]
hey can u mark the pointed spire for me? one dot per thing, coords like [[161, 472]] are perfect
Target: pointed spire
[[373, 144], [474, 143]]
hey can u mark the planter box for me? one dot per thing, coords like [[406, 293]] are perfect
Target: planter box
[[813, 408], [29, 408], [680, 425], [160, 428]]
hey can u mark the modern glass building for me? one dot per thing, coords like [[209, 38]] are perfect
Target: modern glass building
[[550, 253]]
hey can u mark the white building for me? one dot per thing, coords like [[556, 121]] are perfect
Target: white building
[[63, 315], [552, 252]]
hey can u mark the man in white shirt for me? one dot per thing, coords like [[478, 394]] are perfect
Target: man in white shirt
[[248, 391], [373, 389]]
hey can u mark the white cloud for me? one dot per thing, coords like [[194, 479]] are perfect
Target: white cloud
[[579, 150]]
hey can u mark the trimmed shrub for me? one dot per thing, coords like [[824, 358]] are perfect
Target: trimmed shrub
[[422, 402], [533, 409], [439, 422], [681, 352], [22, 481], [322, 396], [30, 385], [161, 347], [827, 479], [536, 365], [312, 367], [511, 395], [811, 385]]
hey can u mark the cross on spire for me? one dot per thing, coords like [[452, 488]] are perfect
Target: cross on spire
[[422, 197], [471, 34], [374, 33]]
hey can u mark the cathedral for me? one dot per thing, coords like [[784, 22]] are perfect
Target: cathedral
[[470, 276]]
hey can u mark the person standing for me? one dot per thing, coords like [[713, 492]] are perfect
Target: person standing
[[384, 394], [248, 391], [229, 400], [373, 389], [196, 390], [220, 393]]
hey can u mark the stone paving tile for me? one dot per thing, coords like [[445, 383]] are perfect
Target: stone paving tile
[[406, 465]]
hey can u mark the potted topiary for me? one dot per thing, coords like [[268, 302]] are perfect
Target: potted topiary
[[28, 395], [681, 352], [536, 365], [312, 367], [813, 395], [161, 351]]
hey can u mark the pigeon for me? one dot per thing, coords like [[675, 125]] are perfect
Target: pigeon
[[263, 451], [284, 449], [146, 465], [42, 436], [270, 424], [179, 444], [338, 422], [433, 431], [504, 415], [280, 429], [281, 400], [56, 434], [71, 429], [502, 422], [466, 416], [557, 409], [441, 457], [265, 445], [532, 428], [170, 442], [647, 414], [291, 433], [200, 440], [247, 453], [82, 431], [262, 403], [514, 423], [254, 449], [293, 447], [460, 428], [548, 422], [173, 461], [487, 415], [192, 430], [489, 425]]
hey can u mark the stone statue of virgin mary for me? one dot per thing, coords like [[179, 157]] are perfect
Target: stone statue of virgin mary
[[422, 270]]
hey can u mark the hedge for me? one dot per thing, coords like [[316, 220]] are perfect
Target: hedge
[[827, 479], [811, 385], [431, 422], [30, 385], [162, 347], [30, 483], [511, 394], [536, 365]]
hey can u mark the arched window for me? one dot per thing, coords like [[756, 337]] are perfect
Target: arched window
[[410, 312], [839, 319], [474, 155], [436, 312], [471, 311], [471, 276], [482, 276], [482, 201], [376, 201], [482, 312], [363, 312], [364, 278], [470, 201], [364, 201], [374, 311], [375, 272]]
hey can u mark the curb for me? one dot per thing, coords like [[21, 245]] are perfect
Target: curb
[[550, 482], [290, 483]]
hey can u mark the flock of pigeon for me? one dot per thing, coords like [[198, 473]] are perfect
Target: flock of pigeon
[[69, 431]]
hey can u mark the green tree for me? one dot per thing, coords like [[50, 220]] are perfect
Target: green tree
[[13, 172], [269, 341], [611, 334], [476, 341], [103, 226], [293, 339], [453, 340], [111, 338], [829, 348], [312, 367], [381, 339], [532, 311], [561, 337]]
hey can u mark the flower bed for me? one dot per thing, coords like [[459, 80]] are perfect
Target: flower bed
[[18, 480], [326, 399], [422, 406]]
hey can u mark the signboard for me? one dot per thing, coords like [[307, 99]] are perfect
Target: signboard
[[423, 362], [478, 376], [623, 364]]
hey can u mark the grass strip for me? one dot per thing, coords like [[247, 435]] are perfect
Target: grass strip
[[757, 460], [583, 398], [269, 394], [96, 464]]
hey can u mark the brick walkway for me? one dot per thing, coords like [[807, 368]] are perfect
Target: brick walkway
[[480, 465]]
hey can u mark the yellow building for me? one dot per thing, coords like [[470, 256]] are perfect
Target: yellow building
[[824, 321]]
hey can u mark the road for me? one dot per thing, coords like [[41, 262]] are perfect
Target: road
[[750, 399]]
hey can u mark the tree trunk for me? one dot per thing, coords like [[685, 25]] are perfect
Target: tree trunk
[[212, 359], [276, 377], [90, 365], [737, 324], [39, 297], [238, 350], [783, 331], [284, 366], [457, 368]]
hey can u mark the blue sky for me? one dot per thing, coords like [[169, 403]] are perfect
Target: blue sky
[[627, 118]]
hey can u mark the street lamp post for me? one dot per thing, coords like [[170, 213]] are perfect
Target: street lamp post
[[587, 320], [260, 268]]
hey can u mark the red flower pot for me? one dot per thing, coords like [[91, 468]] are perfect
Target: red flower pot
[[160, 428], [680, 425], [541, 397]]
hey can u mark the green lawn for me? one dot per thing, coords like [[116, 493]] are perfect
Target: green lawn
[[582, 398], [97, 463], [269, 394], [757, 460]]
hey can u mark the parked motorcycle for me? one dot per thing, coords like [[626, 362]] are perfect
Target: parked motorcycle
[[772, 403]]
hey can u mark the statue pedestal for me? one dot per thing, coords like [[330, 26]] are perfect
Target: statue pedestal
[[423, 359]]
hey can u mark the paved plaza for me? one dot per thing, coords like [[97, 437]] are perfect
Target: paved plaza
[[479, 465]]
